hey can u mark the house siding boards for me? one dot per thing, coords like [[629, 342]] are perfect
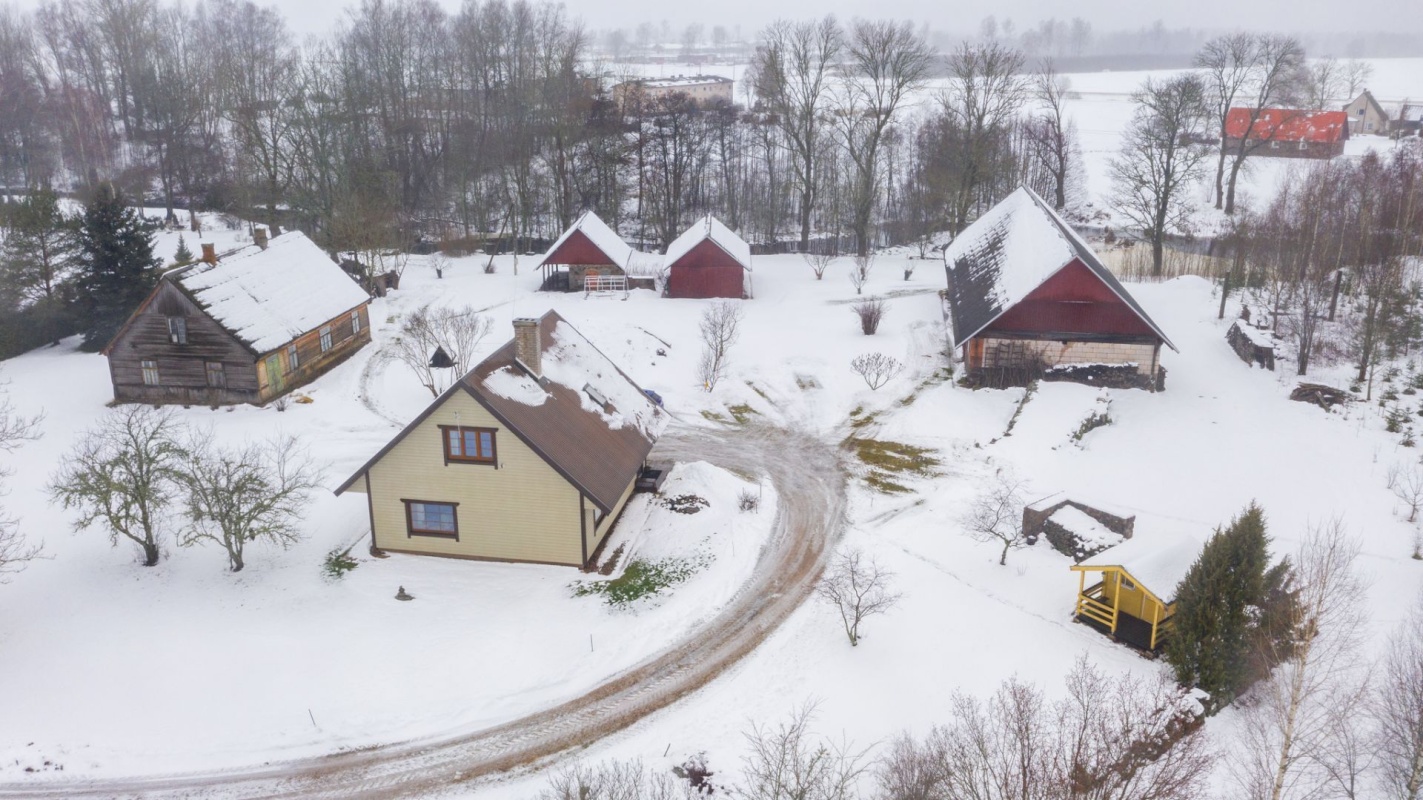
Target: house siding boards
[[1366, 115], [520, 509], [706, 271], [311, 361]]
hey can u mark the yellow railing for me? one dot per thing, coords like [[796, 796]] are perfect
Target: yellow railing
[[1091, 607]]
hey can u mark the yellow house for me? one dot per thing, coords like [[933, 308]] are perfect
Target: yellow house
[[1134, 599], [530, 457]]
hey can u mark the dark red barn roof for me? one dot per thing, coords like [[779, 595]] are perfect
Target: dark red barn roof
[[1288, 125]]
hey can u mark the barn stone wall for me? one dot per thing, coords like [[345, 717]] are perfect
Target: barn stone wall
[[1053, 353]]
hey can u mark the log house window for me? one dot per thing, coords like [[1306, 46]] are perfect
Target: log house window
[[355, 322], [178, 330], [217, 377], [326, 338], [150, 372], [293, 360], [426, 518], [468, 445]]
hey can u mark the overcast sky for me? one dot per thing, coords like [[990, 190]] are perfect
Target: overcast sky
[[316, 16]]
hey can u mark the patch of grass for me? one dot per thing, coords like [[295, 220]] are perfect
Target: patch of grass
[[1017, 412], [1094, 421], [742, 413], [886, 460], [759, 390], [641, 580], [859, 419], [714, 417], [806, 382]]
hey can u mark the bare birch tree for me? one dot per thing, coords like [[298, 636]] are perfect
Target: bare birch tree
[[1293, 715], [1396, 707], [720, 327], [125, 474]]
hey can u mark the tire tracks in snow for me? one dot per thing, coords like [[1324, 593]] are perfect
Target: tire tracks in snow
[[809, 477]]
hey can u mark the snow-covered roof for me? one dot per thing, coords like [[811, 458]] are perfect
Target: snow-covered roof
[[1257, 336], [1090, 533], [269, 297], [682, 80], [1007, 253], [709, 227], [1157, 561], [602, 237]]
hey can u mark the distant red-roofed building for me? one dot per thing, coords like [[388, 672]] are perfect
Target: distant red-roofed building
[[1287, 132]]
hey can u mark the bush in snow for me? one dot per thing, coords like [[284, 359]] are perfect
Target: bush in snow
[[642, 579], [338, 562], [125, 473], [870, 312], [749, 500], [819, 262], [1406, 483], [860, 272], [252, 493], [858, 587], [876, 368]]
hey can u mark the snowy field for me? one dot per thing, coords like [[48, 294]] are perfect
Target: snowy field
[[119, 670]]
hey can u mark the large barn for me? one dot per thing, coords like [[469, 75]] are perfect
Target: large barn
[[530, 457], [1287, 133], [245, 328], [1026, 294], [589, 248], [708, 260]]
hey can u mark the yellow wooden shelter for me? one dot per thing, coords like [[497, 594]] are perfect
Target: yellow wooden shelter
[[1134, 600]]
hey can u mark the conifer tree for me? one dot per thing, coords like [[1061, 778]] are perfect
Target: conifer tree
[[117, 265], [183, 256], [37, 262], [1219, 604]]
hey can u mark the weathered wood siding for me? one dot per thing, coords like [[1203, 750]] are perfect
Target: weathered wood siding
[[311, 361], [182, 368], [518, 510]]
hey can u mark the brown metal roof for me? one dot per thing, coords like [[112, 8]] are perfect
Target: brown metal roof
[[600, 460]]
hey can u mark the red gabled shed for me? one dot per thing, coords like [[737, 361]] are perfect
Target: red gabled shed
[[708, 260]]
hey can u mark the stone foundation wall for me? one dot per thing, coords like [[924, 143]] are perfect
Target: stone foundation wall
[[1036, 523], [1052, 353]]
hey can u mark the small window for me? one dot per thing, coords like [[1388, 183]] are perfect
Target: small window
[[178, 330], [355, 322], [1128, 585], [217, 378], [150, 372], [293, 360], [1304, 145], [326, 338], [423, 518], [1274, 145], [468, 445]]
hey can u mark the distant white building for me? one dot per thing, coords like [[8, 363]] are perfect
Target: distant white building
[[702, 89]]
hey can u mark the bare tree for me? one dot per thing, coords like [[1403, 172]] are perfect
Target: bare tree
[[1274, 67], [15, 430], [819, 262], [792, 73], [888, 62], [858, 587], [457, 332], [987, 86], [1396, 708], [125, 473], [720, 327], [996, 514], [1356, 76], [613, 780], [239, 495], [1406, 482], [860, 272], [1052, 132], [871, 313], [877, 369], [1160, 159], [1294, 714], [785, 764], [1321, 82]]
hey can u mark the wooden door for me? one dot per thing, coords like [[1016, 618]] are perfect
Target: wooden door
[[275, 385]]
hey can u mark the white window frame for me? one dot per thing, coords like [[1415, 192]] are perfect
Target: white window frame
[[325, 338], [150, 373], [293, 358], [355, 322]]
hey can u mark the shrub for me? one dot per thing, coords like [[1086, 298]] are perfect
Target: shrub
[[642, 579], [338, 562], [871, 313], [749, 500], [1094, 421], [876, 368], [684, 503]]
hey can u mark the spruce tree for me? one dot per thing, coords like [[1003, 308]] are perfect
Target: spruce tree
[[183, 256], [1217, 606], [117, 265], [37, 263]]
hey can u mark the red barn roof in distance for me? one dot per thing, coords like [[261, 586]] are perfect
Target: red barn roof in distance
[[573, 246], [1288, 125]]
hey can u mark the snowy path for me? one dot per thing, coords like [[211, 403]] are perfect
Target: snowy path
[[810, 481]]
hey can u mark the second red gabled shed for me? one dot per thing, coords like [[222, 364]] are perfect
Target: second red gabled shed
[[708, 260]]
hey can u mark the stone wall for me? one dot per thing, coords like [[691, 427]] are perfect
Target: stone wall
[[1036, 523], [1053, 353]]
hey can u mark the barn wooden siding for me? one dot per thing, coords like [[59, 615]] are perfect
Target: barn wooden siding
[[706, 271]]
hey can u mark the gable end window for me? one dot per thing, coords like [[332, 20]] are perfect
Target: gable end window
[[150, 372], [355, 322], [178, 330], [326, 338], [426, 518], [468, 445]]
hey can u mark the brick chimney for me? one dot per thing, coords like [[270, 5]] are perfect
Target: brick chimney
[[259, 235], [528, 347], [209, 253]]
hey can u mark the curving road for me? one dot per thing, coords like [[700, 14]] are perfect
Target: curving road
[[810, 481]]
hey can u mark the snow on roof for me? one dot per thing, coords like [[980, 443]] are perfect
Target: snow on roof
[[270, 297], [683, 80], [1257, 336], [1057, 498], [1007, 253], [1287, 125], [573, 362], [1157, 561], [515, 384], [602, 237], [711, 228], [1090, 533]]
